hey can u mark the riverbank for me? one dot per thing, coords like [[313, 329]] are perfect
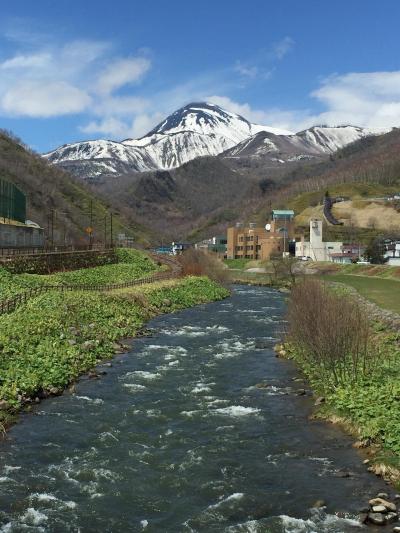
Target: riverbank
[[55, 337], [199, 427], [364, 395]]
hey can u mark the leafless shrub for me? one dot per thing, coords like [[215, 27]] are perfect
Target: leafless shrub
[[199, 263], [330, 332]]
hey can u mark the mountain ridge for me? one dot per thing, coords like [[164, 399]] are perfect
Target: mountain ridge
[[197, 130]]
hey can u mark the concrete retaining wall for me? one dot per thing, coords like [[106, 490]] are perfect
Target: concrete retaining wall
[[21, 236]]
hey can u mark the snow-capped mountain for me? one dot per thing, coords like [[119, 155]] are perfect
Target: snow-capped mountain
[[198, 129], [329, 139], [195, 130], [314, 143]]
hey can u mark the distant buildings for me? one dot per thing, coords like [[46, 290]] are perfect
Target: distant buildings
[[316, 249], [178, 248], [392, 253], [351, 253], [215, 245], [252, 242]]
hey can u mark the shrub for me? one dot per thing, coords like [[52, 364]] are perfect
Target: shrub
[[198, 263], [330, 333]]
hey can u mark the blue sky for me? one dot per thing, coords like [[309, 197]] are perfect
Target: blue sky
[[84, 69]]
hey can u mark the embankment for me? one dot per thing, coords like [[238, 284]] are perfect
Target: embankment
[[350, 352], [56, 336]]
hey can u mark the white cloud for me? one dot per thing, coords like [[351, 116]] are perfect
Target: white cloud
[[145, 122], [120, 105], [122, 72], [56, 80], [35, 99], [282, 47], [370, 99], [39, 60], [246, 70], [108, 127], [115, 128]]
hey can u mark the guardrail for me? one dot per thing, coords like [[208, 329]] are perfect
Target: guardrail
[[7, 306]]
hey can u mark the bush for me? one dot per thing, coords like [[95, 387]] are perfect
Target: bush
[[198, 263], [330, 333]]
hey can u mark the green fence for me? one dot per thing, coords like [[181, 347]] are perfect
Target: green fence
[[12, 202]]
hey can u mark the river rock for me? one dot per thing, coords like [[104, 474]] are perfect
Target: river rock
[[363, 518], [3, 405], [383, 495], [379, 509], [301, 392], [318, 504], [319, 400], [71, 342], [262, 385], [396, 497], [117, 348], [376, 518], [391, 517], [167, 302], [88, 345], [342, 474], [261, 345], [389, 506], [396, 529]]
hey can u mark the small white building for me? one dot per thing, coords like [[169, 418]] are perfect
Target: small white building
[[316, 248], [393, 254]]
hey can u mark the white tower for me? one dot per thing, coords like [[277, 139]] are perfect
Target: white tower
[[317, 247]]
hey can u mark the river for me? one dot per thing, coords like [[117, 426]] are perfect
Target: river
[[176, 436]]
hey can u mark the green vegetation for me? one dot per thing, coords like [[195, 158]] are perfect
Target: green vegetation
[[383, 292], [56, 336], [352, 362], [133, 264], [236, 263]]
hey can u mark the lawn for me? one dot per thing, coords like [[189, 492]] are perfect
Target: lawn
[[384, 292]]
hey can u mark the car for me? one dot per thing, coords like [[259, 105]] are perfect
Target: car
[[363, 263]]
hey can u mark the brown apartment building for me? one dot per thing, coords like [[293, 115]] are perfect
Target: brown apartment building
[[252, 242]]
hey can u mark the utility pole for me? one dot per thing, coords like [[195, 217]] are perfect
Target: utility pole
[[91, 225], [52, 227]]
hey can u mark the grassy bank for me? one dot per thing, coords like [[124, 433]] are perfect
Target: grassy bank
[[383, 292], [55, 337], [354, 365], [132, 264]]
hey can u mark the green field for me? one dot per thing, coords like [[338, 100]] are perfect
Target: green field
[[384, 292]]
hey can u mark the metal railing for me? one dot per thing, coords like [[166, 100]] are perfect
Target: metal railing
[[13, 252]]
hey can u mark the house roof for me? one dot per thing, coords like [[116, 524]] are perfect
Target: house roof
[[282, 212]]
